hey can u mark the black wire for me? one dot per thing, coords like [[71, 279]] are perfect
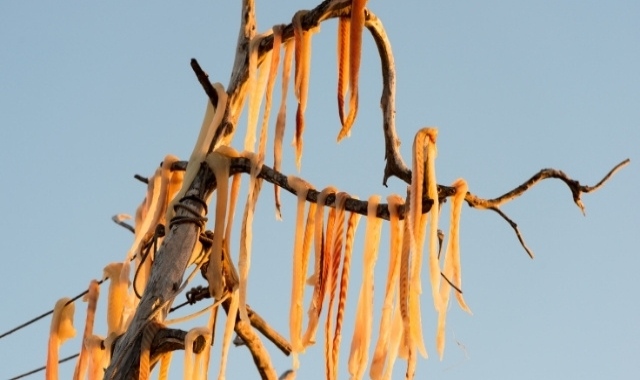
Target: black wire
[[40, 369], [194, 295], [44, 314], [44, 367]]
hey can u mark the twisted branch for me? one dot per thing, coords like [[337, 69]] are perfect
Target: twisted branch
[[574, 185]]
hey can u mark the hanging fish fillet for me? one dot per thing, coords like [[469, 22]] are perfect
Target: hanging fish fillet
[[97, 356], [169, 187], [165, 362], [352, 224], [407, 347], [144, 231], [318, 278], [233, 200], [299, 269], [355, 53], [274, 58], [92, 300], [116, 297], [257, 85], [425, 140], [228, 332], [219, 162], [175, 184], [280, 121], [270, 65], [189, 372], [344, 26], [144, 368], [418, 220], [155, 215], [61, 330], [394, 342], [452, 263], [303, 67], [333, 265], [395, 253], [246, 233], [359, 354], [434, 213], [458, 201]]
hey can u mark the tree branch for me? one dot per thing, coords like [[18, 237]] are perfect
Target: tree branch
[[256, 320], [258, 352], [243, 165], [203, 78], [395, 164], [574, 185]]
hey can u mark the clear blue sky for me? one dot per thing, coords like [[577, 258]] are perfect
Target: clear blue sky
[[93, 93]]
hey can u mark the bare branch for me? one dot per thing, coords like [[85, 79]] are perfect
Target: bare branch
[[515, 228], [265, 329], [574, 186], [119, 219], [203, 78], [252, 341], [142, 179], [395, 164], [588, 189], [256, 320]]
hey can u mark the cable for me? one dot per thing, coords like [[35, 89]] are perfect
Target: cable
[[44, 314], [194, 295], [44, 367]]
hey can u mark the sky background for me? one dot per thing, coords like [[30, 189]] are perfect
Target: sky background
[[92, 93]]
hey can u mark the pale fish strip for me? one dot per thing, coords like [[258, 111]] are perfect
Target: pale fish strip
[[281, 120], [335, 247], [301, 188], [395, 251], [352, 225], [318, 277], [359, 355]]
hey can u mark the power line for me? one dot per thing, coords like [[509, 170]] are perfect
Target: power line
[[45, 314], [191, 299], [44, 367]]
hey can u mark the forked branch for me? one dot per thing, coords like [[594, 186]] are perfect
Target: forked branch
[[576, 190], [574, 186]]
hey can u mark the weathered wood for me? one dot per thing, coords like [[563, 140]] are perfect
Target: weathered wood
[[166, 277]]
